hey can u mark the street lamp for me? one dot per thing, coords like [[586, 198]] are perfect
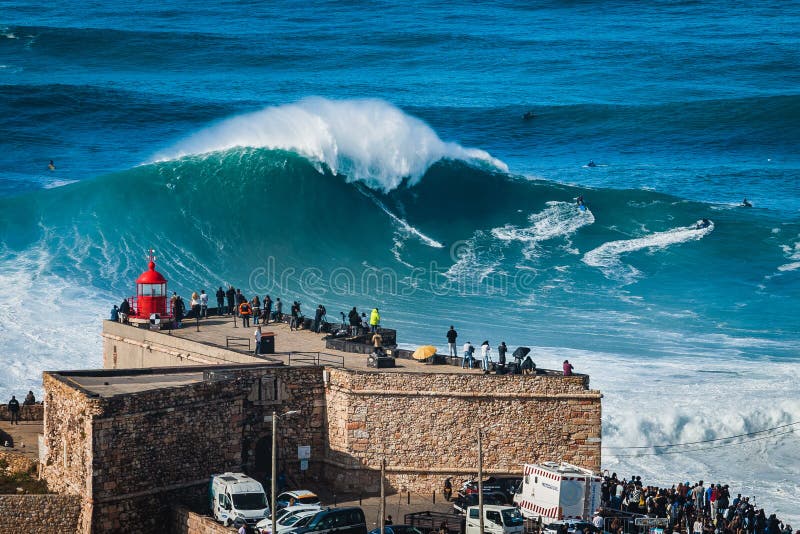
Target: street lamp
[[275, 462], [480, 475]]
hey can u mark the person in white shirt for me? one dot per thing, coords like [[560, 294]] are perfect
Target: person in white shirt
[[257, 335], [485, 350], [203, 304]]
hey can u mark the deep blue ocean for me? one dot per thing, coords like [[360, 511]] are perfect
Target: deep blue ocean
[[379, 154]]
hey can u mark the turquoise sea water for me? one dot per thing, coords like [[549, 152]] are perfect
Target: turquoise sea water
[[377, 154]]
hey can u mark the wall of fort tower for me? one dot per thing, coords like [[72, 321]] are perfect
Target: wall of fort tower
[[426, 425]]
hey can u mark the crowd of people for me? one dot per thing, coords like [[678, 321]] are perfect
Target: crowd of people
[[523, 364], [689, 508]]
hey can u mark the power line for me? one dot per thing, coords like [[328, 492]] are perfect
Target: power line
[[703, 448], [707, 440]]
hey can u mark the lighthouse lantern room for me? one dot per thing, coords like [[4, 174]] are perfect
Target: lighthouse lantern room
[[151, 292]]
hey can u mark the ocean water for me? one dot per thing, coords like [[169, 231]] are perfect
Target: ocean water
[[377, 155]]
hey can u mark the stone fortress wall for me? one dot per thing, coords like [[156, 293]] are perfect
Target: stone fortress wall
[[425, 426]]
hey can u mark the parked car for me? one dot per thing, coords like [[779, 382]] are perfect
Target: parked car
[[295, 497], [462, 502], [397, 529], [340, 520], [287, 518], [572, 526]]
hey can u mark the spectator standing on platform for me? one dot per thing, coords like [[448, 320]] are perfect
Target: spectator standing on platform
[[295, 315], [13, 409], [239, 299], [374, 320], [267, 306], [364, 322], [318, 315], [485, 350], [220, 301], [245, 312], [203, 303], [257, 335], [279, 310], [178, 309], [567, 368], [195, 304], [30, 400], [124, 311], [354, 320], [469, 350], [231, 295], [451, 341], [115, 314], [501, 355], [255, 304]]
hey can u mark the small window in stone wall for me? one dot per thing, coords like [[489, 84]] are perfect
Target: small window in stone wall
[[265, 391]]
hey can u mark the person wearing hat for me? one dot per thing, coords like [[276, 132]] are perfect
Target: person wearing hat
[[597, 520]]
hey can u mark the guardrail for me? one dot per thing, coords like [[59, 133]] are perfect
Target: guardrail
[[316, 359], [233, 341]]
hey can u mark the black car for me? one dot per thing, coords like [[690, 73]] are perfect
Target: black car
[[340, 520]]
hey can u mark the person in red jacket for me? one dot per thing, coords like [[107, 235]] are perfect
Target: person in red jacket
[[567, 368]]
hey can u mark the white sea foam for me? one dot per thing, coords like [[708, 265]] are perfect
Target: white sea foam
[[792, 253], [558, 219], [46, 322], [366, 140], [475, 259], [606, 257]]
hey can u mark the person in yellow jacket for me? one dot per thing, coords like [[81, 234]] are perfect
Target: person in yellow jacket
[[245, 311], [374, 320]]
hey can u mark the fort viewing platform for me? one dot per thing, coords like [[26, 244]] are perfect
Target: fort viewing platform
[[218, 340]]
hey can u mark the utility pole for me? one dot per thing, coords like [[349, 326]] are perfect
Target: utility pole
[[383, 495], [480, 480], [274, 465]]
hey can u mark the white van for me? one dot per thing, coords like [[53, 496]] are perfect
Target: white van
[[556, 491], [497, 519], [237, 496]]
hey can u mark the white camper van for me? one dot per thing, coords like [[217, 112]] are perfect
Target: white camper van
[[237, 496], [555, 491], [497, 519]]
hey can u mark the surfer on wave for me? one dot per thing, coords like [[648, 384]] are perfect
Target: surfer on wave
[[702, 223], [529, 115], [591, 163], [581, 205], [746, 203]]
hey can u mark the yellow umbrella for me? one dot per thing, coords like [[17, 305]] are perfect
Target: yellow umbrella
[[424, 352]]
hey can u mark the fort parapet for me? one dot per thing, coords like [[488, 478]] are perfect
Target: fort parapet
[[135, 439]]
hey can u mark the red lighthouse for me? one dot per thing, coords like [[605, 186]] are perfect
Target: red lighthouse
[[151, 294]]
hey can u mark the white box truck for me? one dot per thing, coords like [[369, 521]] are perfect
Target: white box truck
[[237, 496], [497, 519], [556, 491]]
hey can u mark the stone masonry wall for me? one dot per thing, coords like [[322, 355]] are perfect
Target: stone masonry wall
[[39, 514], [184, 521], [67, 465], [426, 425]]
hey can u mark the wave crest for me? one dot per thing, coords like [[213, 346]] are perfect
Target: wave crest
[[367, 140]]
